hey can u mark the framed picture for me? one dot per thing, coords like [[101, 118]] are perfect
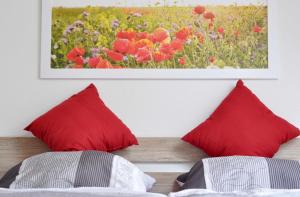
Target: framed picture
[[159, 39]]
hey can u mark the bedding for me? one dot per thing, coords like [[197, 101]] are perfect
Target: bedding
[[77, 169], [242, 125], [242, 173], [82, 122], [75, 192], [110, 192], [252, 193]]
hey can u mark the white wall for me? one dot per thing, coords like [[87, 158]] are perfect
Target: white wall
[[149, 108]]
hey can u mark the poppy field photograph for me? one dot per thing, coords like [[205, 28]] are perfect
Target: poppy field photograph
[[159, 34]]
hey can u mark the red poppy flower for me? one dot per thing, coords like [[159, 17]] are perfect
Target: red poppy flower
[[99, 62], [142, 35], [160, 35], [151, 37], [75, 55], [177, 44], [144, 43], [94, 61], [200, 37], [115, 56], [143, 55], [166, 49], [184, 33], [132, 49], [181, 61], [199, 9], [121, 45], [209, 15], [104, 64], [212, 59], [130, 34], [221, 30], [159, 57], [257, 29]]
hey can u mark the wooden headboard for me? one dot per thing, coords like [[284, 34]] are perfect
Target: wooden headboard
[[150, 150]]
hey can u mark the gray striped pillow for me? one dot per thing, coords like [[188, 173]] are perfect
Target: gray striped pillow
[[76, 169], [241, 173]]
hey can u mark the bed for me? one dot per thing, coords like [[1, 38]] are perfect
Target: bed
[[158, 151]]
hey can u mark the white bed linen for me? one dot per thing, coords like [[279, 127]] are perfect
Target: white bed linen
[[76, 192], [253, 193]]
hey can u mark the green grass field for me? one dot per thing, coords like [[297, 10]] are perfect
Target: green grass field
[[236, 37]]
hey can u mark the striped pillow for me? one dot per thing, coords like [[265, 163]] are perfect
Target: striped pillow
[[241, 173], [76, 169]]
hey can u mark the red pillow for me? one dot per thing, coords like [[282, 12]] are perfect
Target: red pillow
[[82, 122], [242, 125]]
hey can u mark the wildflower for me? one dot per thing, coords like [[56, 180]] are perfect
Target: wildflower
[[86, 60], [221, 30], [212, 59], [189, 41], [167, 49], [95, 52], [181, 61], [213, 35], [56, 46], [94, 61], [137, 14], [85, 14], [209, 16], [257, 29], [78, 23], [68, 30], [161, 35], [143, 55], [86, 31], [144, 43], [158, 56], [200, 37], [184, 33], [210, 26], [64, 40], [121, 45], [53, 57], [130, 34], [141, 35], [199, 9], [115, 56], [76, 56], [132, 49], [96, 33], [103, 64], [177, 44], [115, 23]]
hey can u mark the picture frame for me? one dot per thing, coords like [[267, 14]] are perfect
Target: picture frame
[[47, 72]]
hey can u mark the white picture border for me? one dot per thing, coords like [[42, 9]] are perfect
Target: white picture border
[[46, 72]]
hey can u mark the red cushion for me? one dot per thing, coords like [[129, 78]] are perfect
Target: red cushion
[[82, 122], [242, 125]]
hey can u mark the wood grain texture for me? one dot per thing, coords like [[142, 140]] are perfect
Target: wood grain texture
[[165, 182], [161, 150], [290, 150]]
